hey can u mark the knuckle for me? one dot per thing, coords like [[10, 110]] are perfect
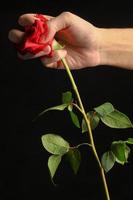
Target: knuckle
[[20, 19], [10, 34], [67, 14], [26, 19]]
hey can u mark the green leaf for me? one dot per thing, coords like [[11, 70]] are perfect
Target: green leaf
[[75, 119], [94, 121], [130, 141], [121, 151], [70, 107], [108, 160], [67, 97], [55, 144], [127, 152], [116, 119], [104, 109], [59, 107], [53, 163], [74, 158]]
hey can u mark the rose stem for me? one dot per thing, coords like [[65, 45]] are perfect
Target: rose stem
[[88, 126]]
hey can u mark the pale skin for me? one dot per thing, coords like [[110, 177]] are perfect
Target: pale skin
[[85, 45]]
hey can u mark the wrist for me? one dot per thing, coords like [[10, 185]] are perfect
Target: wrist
[[106, 47], [116, 47]]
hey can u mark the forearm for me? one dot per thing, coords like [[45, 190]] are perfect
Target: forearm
[[116, 47]]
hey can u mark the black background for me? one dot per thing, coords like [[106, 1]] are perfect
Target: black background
[[27, 88]]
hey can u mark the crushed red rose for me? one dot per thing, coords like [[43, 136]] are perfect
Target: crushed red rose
[[34, 34]]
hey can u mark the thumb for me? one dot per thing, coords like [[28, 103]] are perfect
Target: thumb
[[58, 23]]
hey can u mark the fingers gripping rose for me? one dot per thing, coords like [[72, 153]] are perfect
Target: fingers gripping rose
[[35, 35]]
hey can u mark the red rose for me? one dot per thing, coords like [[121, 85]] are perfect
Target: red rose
[[34, 34]]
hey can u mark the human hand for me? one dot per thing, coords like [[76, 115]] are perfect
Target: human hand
[[79, 38]]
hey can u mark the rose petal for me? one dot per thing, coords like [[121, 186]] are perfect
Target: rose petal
[[35, 34]]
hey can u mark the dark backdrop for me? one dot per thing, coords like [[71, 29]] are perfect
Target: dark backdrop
[[27, 88]]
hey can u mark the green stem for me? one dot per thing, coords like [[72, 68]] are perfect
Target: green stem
[[81, 108], [83, 144], [80, 145]]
